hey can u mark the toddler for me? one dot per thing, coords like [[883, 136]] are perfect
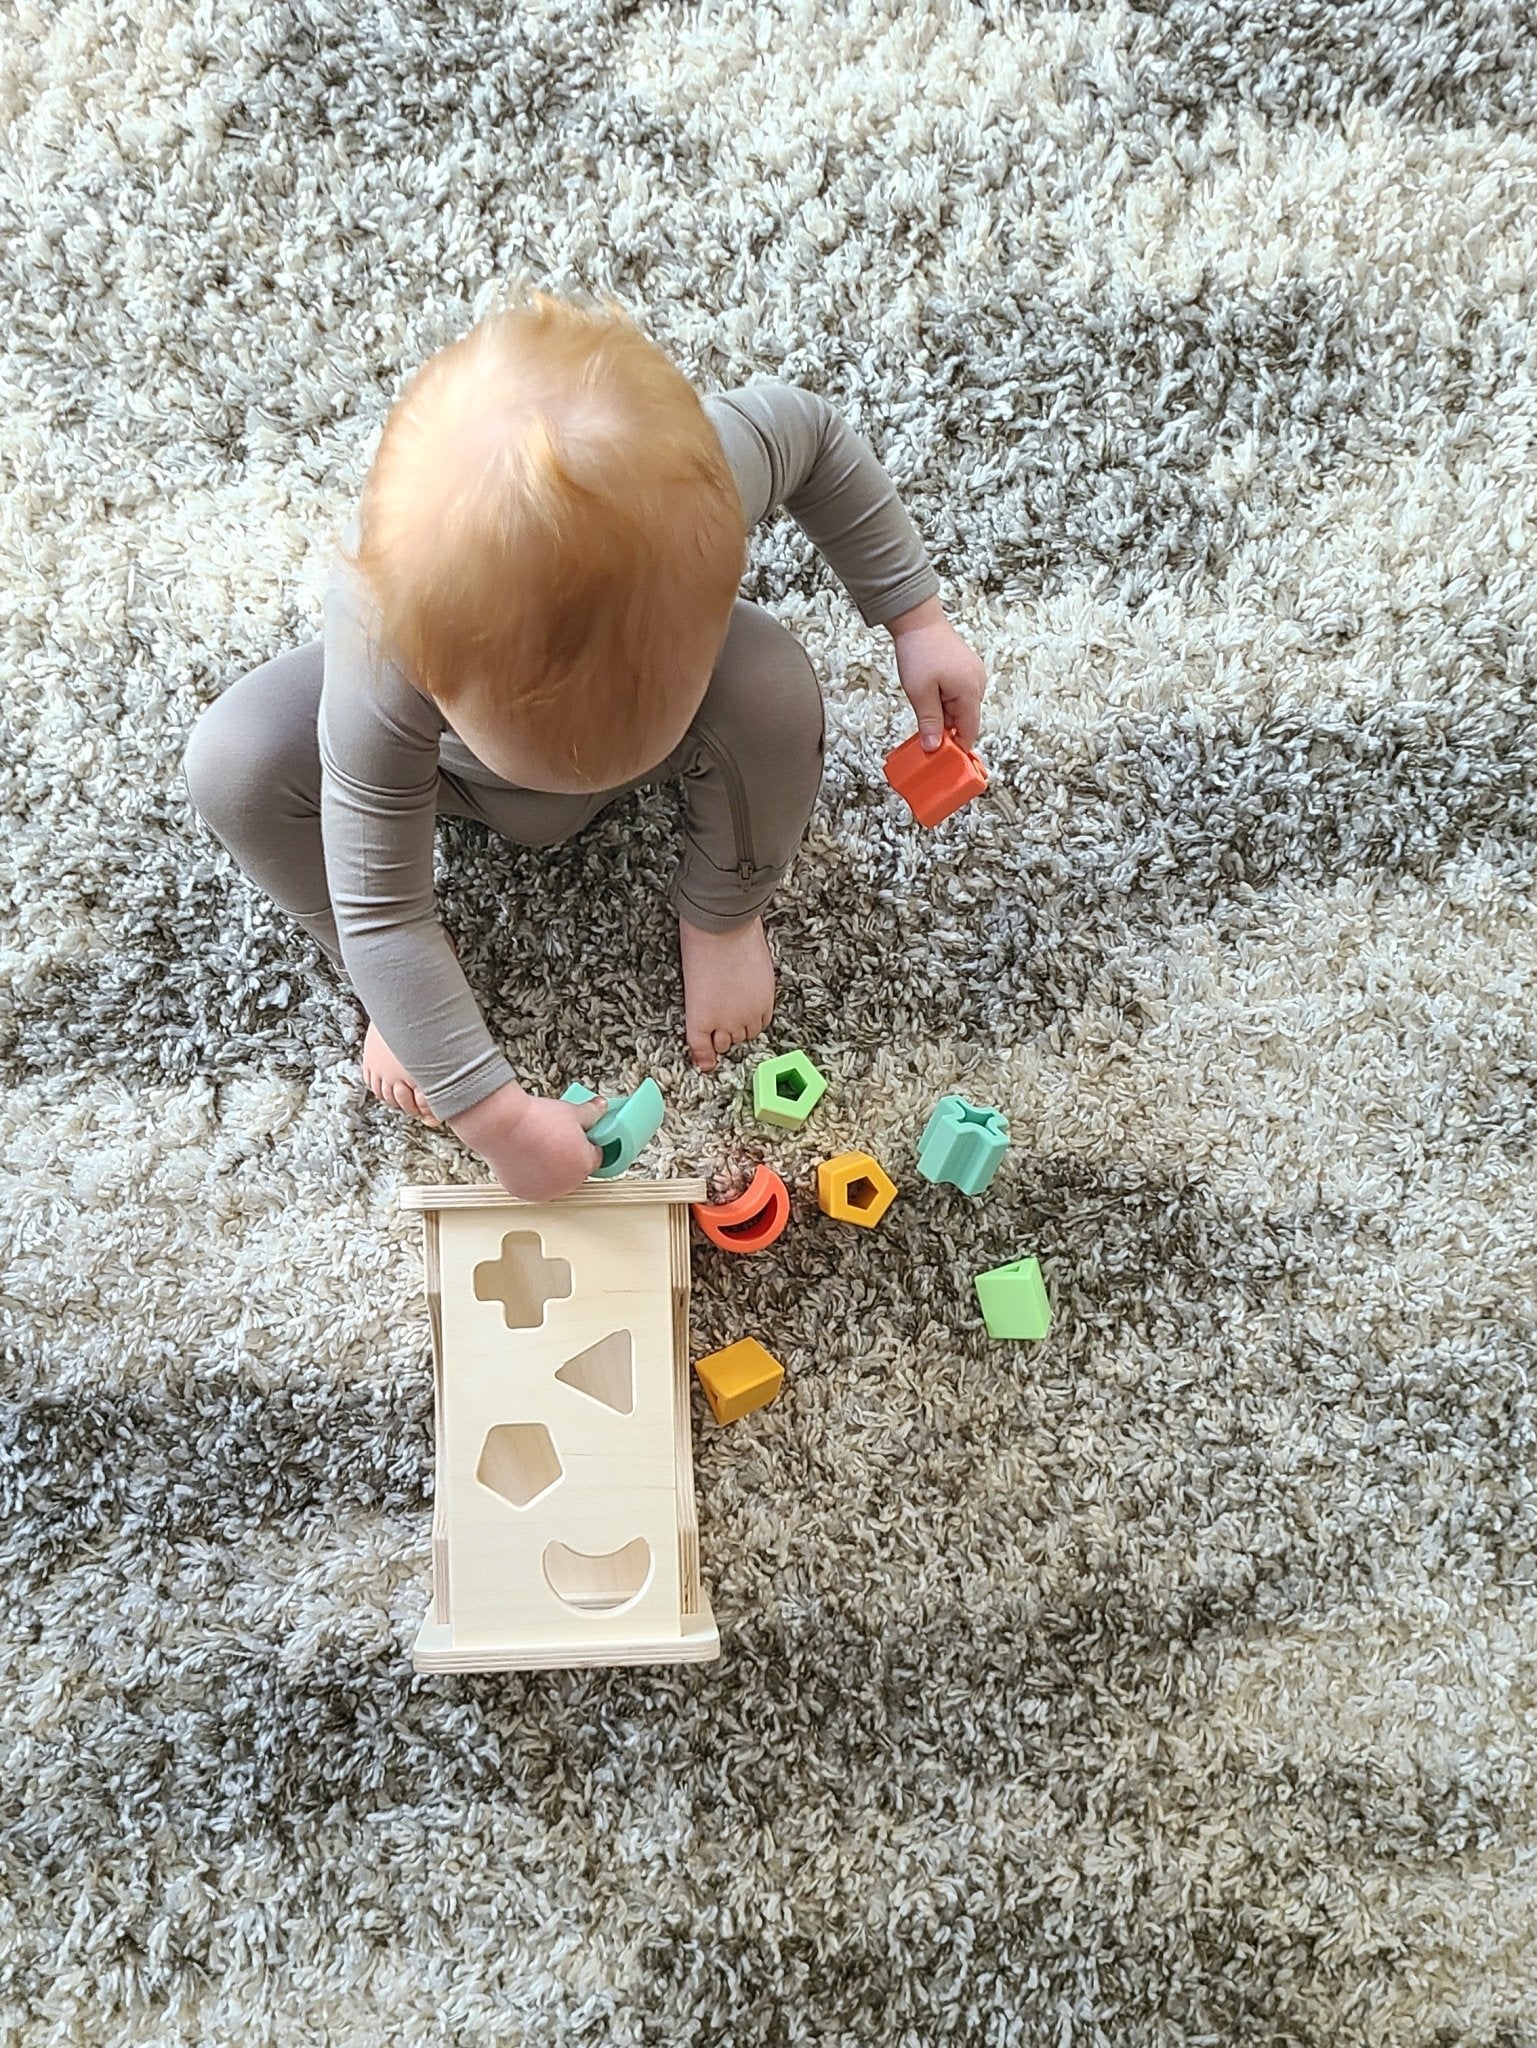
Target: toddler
[[533, 611]]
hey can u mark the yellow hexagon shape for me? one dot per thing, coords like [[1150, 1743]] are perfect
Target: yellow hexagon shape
[[854, 1188]]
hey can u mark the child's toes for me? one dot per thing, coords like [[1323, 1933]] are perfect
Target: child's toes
[[701, 1047]]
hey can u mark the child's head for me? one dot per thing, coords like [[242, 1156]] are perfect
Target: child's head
[[555, 543]]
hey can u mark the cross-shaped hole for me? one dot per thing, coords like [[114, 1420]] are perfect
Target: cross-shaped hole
[[522, 1279]]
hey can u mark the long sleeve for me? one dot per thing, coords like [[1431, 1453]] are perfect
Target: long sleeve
[[789, 447], [378, 742], [380, 737]]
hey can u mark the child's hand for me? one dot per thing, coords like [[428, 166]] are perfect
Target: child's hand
[[945, 682], [536, 1148]]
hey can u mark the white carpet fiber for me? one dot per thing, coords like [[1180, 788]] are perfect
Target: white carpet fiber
[[1171, 1682]]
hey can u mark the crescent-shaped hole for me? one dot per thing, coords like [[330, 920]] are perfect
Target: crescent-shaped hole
[[598, 1585]]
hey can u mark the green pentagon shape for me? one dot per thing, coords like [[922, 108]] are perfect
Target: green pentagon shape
[[786, 1089]]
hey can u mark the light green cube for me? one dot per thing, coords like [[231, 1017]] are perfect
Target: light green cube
[[1014, 1302]]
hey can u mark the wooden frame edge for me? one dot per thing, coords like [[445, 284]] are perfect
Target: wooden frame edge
[[459, 1195]]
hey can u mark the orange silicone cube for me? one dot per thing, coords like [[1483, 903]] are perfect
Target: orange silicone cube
[[935, 784], [742, 1377]]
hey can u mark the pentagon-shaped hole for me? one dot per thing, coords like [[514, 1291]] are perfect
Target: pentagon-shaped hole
[[598, 1585], [522, 1279], [862, 1193], [518, 1460], [791, 1085]]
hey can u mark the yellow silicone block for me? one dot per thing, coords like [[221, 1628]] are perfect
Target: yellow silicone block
[[854, 1188], [742, 1377]]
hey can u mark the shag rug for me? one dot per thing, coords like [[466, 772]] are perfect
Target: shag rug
[[1170, 1681]]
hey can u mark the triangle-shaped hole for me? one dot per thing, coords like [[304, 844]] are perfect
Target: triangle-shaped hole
[[605, 1372]]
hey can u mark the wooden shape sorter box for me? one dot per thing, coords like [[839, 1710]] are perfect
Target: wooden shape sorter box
[[563, 1529]]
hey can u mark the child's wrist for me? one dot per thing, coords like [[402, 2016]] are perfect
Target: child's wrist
[[930, 613], [504, 1107]]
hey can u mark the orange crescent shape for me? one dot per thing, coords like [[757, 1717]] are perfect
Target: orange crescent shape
[[753, 1221]]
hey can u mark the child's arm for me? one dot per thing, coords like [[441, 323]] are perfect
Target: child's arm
[[789, 447], [378, 741]]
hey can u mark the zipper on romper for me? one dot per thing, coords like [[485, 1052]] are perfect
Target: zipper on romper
[[736, 796]]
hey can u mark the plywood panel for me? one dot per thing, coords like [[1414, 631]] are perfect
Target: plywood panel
[[509, 1518]]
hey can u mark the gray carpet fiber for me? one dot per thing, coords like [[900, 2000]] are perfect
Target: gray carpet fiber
[[1169, 1682]]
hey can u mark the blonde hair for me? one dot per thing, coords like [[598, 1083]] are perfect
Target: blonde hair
[[554, 539]]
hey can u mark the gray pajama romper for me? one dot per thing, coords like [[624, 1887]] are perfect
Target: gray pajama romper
[[323, 772]]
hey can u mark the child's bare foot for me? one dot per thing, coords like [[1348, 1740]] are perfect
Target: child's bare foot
[[389, 1080], [728, 988]]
